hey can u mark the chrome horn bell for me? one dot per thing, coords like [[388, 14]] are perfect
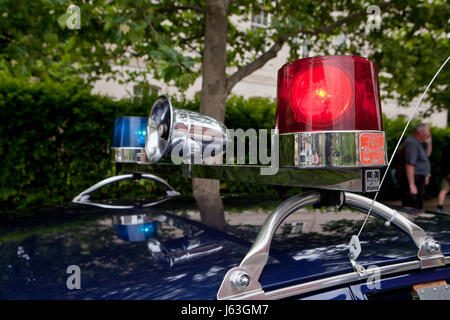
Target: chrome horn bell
[[186, 136]]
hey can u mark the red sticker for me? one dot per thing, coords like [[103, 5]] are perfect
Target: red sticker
[[372, 148]]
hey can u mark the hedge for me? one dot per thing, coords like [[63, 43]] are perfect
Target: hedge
[[55, 142]]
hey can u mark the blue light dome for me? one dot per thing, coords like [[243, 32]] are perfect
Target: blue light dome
[[129, 132], [137, 232]]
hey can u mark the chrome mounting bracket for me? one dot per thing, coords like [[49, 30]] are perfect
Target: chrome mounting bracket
[[430, 254], [429, 250], [83, 197], [242, 282]]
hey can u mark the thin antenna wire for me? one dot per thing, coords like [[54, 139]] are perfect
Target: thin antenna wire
[[398, 144]]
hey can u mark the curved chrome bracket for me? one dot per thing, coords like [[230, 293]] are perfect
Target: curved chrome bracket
[[243, 282], [429, 253], [234, 283], [83, 197]]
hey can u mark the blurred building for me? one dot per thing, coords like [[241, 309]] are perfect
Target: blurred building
[[261, 83]]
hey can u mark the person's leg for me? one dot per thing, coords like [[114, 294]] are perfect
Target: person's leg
[[408, 199], [443, 192], [420, 183], [405, 195], [441, 197]]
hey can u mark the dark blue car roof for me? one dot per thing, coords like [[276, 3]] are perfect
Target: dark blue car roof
[[36, 252]]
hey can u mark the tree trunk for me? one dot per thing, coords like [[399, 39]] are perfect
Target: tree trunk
[[212, 103]]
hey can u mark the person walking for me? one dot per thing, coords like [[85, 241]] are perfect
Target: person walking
[[445, 181], [416, 173]]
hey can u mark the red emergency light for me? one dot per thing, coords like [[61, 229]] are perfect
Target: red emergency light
[[328, 93]]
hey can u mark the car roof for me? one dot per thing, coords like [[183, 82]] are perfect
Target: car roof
[[183, 259]]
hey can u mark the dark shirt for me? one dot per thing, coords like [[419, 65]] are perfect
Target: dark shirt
[[416, 155]]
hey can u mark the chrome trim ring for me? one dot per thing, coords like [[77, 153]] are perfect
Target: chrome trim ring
[[327, 149], [129, 155]]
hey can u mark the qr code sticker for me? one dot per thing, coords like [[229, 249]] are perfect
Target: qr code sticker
[[372, 181]]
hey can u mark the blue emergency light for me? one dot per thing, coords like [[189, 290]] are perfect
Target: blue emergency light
[[129, 132], [136, 232]]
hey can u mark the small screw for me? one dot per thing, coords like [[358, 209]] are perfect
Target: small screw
[[240, 280], [244, 281], [433, 246], [437, 246]]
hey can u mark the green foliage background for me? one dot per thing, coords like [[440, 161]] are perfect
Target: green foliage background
[[55, 142]]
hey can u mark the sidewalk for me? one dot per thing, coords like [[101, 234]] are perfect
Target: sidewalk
[[427, 204]]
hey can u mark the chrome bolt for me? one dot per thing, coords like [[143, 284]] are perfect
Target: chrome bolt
[[244, 281], [433, 246], [437, 246], [240, 280]]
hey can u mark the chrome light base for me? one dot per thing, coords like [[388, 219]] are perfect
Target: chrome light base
[[129, 155], [328, 149]]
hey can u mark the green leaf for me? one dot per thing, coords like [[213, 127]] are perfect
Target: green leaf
[[62, 20], [188, 62], [109, 22], [136, 35], [185, 80]]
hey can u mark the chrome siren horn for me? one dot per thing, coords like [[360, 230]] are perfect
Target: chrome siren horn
[[186, 136]]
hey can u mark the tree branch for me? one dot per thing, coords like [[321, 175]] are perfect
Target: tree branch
[[255, 64], [183, 7], [187, 40], [282, 39], [151, 26], [194, 49]]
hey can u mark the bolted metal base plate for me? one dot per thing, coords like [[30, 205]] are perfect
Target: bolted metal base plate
[[435, 293]]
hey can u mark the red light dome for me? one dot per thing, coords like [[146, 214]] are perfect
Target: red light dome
[[321, 95], [328, 93]]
